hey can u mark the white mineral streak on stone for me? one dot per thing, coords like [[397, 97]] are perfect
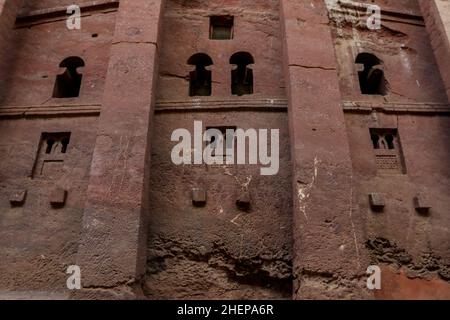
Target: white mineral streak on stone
[[304, 191]]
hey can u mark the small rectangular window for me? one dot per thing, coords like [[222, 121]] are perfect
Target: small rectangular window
[[221, 27]]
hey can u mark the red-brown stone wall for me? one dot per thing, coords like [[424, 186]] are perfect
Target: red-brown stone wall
[[412, 247], [129, 220], [32, 5], [40, 48], [38, 241], [403, 46], [219, 251], [186, 32]]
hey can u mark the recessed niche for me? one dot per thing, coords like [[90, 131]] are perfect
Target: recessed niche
[[52, 152], [388, 151]]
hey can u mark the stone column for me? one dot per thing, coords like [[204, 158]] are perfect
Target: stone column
[[437, 19], [327, 235], [112, 254], [8, 13]]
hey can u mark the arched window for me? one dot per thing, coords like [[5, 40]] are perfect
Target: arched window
[[242, 75], [200, 80], [371, 78], [68, 83]]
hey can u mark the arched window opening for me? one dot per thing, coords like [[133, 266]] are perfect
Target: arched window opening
[[375, 140], [50, 143], [383, 140], [371, 78], [56, 142], [200, 80], [68, 84], [389, 141], [242, 75]]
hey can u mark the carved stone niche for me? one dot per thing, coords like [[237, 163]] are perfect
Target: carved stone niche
[[243, 201], [52, 153], [377, 202], [422, 204], [388, 151], [18, 198], [58, 197], [199, 197]]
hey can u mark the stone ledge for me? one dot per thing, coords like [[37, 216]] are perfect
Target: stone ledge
[[368, 107], [275, 104], [37, 16], [49, 111]]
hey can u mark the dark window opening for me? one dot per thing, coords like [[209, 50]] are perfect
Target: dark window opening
[[65, 143], [50, 144], [221, 27], [68, 83], [200, 80], [371, 78], [383, 139], [56, 142], [389, 138], [375, 140], [242, 75]]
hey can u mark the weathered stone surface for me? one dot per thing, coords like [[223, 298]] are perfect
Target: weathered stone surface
[[437, 20], [115, 206], [233, 254], [321, 156], [8, 12], [308, 232]]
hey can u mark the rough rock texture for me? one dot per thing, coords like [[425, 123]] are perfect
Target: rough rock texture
[[249, 248], [186, 31], [437, 20], [38, 241], [414, 107], [8, 13], [88, 180], [231, 252]]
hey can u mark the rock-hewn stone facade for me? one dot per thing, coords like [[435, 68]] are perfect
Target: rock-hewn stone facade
[[86, 177]]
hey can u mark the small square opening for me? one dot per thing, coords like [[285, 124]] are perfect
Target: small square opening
[[221, 27], [228, 134]]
